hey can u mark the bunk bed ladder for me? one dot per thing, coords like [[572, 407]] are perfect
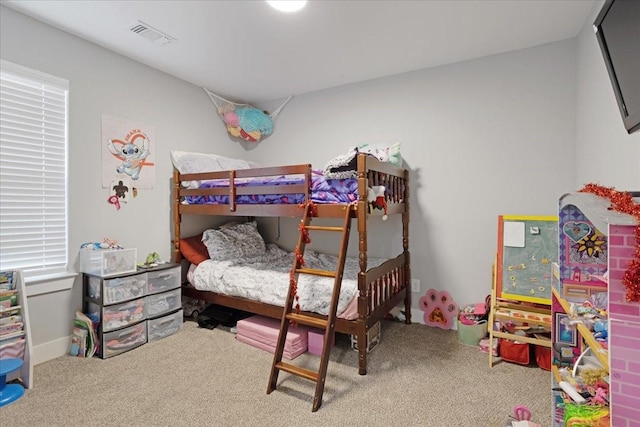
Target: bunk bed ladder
[[290, 314]]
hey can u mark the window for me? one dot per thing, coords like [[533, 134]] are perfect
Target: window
[[33, 171]]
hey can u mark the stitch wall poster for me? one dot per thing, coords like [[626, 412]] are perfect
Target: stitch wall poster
[[527, 249], [128, 155]]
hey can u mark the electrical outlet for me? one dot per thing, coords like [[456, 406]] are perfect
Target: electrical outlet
[[415, 285]]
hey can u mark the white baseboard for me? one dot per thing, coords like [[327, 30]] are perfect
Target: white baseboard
[[51, 350]]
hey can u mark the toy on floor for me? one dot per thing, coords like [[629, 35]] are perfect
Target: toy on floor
[[521, 412], [439, 309], [193, 307], [521, 418]]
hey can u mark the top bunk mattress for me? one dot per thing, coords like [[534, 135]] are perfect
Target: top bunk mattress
[[323, 190]]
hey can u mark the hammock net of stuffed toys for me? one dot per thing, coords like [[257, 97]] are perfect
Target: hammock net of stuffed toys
[[245, 121]]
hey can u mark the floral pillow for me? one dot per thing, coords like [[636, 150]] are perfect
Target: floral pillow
[[236, 241]]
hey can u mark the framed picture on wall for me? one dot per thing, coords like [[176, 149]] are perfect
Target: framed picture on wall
[[564, 333]]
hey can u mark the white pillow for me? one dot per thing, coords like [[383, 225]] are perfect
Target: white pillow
[[189, 162]]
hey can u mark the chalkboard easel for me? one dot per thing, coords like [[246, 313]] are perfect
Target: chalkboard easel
[[521, 290], [527, 248]]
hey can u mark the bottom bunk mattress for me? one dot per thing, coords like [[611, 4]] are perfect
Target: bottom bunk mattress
[[266, 279]]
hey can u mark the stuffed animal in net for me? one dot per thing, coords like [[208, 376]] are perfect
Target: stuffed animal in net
[[375, 197], [246, 122]]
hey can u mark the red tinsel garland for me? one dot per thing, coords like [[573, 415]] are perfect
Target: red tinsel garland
[[304, 234], [623, 202]]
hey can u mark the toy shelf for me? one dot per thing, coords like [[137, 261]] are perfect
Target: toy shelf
[[12, 345], [520, 313], [587, 336], [594, 274]]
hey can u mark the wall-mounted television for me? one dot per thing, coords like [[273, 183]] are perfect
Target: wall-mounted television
[[617, 29]]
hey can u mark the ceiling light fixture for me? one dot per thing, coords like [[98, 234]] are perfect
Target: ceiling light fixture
[[287, 5]]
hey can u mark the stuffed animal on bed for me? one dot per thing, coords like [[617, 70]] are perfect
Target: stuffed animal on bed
[[389, 154], [375, 197]]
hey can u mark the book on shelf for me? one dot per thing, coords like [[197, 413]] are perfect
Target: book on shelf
[[10, 319], [5, 312], [12, 348], [10, 328], [12, 333], [8, 298], [7, 280], [15, 332]]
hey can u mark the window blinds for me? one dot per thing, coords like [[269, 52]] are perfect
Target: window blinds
[[33, 171]]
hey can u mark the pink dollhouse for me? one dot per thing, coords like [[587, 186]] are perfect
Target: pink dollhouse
[[596, 245]]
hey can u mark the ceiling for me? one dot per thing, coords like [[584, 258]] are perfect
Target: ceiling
[[247, 51]]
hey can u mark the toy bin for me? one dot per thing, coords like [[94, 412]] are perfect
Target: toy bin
[[108, 262], [472, 334], [515, 352], [543, 357]]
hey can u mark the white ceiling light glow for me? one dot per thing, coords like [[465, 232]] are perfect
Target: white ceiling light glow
[[287, 5]]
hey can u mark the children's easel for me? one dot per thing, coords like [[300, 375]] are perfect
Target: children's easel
[[521, 288]]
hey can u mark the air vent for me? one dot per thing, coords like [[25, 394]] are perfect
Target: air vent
[[150, 33]]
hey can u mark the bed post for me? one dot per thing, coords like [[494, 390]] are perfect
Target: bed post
[[405, 246], [363, 286], [176, 216]]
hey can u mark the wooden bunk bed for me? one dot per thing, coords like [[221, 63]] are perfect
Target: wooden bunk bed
[[379, 289]]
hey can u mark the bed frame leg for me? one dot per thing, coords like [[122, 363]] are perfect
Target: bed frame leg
[[407, 308], [362, 356]]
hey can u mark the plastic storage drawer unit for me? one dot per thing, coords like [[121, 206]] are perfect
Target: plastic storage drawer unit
[[160, 304], [117, 342], [163, 280], [164, 326]]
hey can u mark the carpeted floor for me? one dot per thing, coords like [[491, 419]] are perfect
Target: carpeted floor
[[417, 376]]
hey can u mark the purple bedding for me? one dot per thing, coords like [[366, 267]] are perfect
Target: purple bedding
[[322, 191]]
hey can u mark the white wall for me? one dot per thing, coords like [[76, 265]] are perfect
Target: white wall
[[606, 153], [484, 137], [491, 136], [103, 82]]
